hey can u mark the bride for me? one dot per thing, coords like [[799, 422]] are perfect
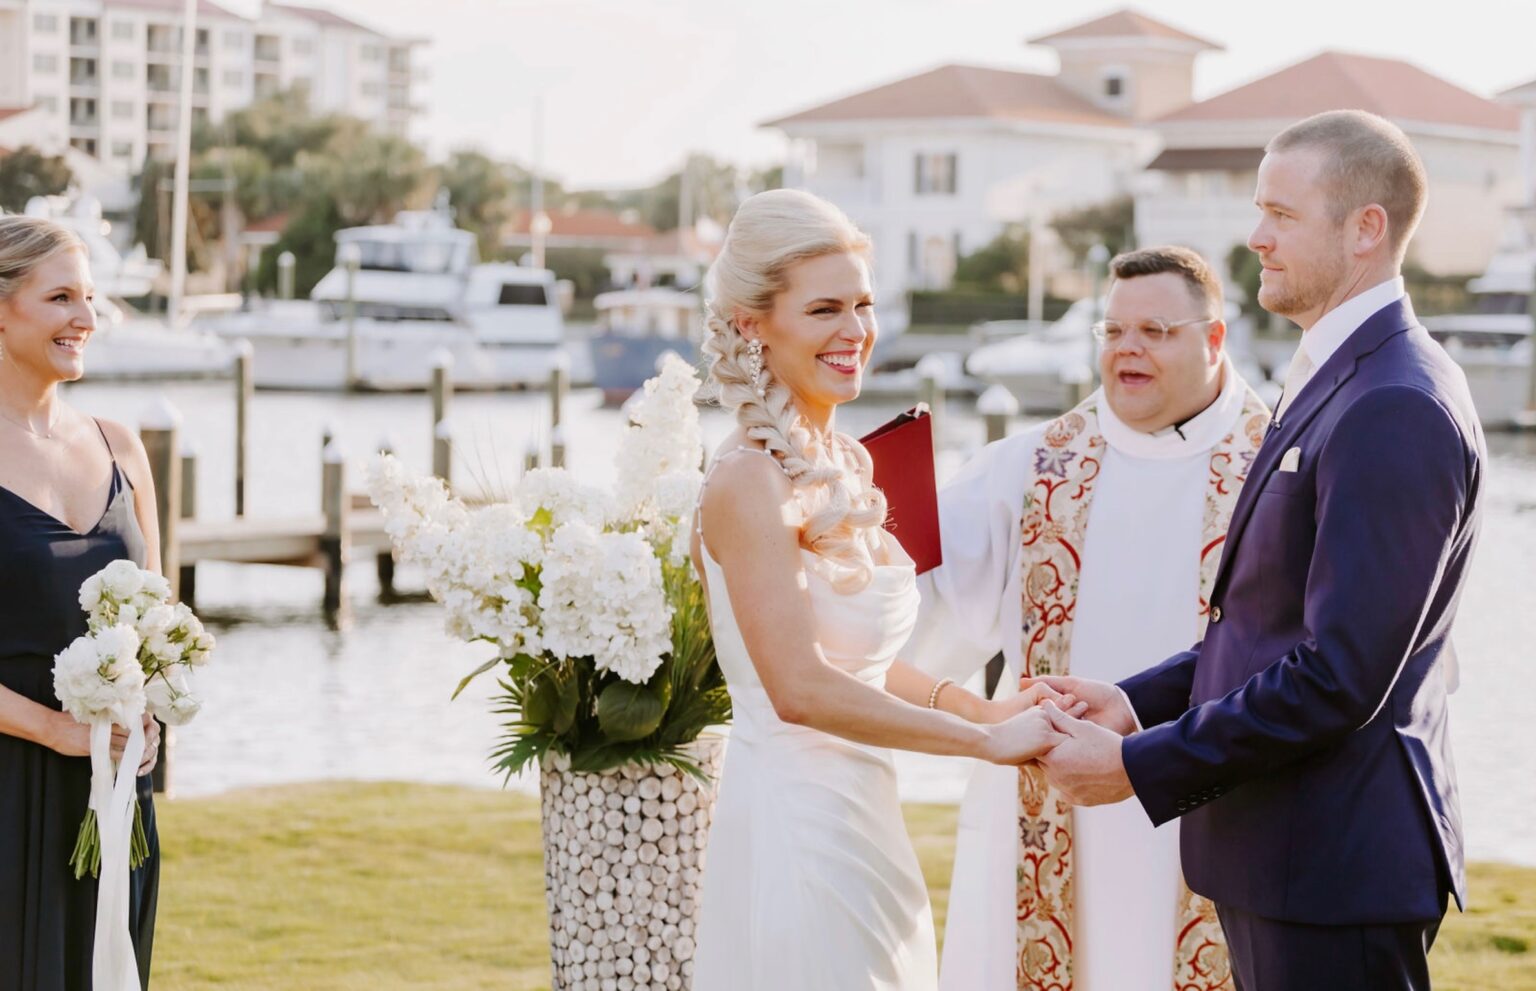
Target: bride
[[811, 881]]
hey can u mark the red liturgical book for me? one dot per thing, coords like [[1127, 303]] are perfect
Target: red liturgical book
[[902, 451]]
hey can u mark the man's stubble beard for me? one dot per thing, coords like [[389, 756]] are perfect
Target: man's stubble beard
[[1322, 283]]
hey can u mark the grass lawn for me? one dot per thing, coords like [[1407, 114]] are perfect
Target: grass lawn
[[374, 887]]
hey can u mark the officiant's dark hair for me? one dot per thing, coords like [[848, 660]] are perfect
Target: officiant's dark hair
[[1366, 159], [1201, 279]]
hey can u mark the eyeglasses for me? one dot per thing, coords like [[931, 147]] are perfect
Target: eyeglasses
[[1154, 331]]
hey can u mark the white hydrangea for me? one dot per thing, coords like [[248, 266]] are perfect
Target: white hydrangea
[[663, 438], [602, 597], [98, 677], [557, 493]]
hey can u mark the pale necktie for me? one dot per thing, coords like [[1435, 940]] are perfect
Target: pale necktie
[[1295, 378]]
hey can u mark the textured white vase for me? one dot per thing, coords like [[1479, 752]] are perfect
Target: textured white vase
[[623, 863]]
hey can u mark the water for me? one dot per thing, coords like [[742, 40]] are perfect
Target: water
[[288, 700]]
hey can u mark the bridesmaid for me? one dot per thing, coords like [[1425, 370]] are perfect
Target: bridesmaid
[[75, 494]]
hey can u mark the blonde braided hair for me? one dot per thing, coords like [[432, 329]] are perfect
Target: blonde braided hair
[[771, 232]]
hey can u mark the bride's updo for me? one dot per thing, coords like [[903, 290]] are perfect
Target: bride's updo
[[770, 233]]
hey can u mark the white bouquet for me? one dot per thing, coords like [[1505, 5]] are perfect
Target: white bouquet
[[588, 595], [136, 654]]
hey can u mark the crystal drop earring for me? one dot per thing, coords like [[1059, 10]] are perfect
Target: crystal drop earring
[[755, 368]]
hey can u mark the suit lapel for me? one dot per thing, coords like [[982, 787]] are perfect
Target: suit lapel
[[1383, 325]]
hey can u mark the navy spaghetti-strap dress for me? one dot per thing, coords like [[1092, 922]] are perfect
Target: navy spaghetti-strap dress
[[47, 918]]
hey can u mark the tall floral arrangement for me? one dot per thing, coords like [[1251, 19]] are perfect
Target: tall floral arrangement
[[603, 649]]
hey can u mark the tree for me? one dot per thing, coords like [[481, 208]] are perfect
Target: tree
[[367, 176], [27, 172], [1001, 265], [311, 236], [1111, 223], [481, 192], [1244, 267]]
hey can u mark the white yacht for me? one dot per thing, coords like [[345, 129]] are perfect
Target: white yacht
[[1493, 344], [417, 288]]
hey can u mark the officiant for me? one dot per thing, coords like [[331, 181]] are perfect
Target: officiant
[[1087, 546]]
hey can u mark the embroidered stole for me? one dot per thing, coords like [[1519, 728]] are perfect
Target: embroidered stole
[[1055, 527]]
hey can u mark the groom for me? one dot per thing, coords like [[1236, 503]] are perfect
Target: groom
[[1305, 740]]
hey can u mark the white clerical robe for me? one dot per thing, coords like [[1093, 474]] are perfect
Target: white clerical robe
[[1136, 606]]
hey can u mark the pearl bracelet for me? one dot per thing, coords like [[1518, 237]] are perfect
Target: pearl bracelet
[[938, 686]]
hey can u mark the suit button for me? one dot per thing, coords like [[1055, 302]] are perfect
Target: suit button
[[1215, 614]]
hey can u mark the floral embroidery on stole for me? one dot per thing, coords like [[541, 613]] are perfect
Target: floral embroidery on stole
[[1054, 530]]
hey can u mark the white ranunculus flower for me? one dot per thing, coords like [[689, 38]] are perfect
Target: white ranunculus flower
[[122, 579], [159, 619], [98, 677], [169, 696]]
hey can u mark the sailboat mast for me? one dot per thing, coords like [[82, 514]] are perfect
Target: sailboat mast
[[183, 165]]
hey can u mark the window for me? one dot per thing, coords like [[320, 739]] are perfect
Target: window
[[234, 41], [372, 90], [234, 78], [87, 145], [122, 70], [48, 104], [122, 149], [122, 30], [372, 53], [45, 64], [303, 47], [122, 109], [45, 23], [934, 173], [1114, 86], [513, 294], [913, 260]]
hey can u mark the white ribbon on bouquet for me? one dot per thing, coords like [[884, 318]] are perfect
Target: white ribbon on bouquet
[[113, 965]]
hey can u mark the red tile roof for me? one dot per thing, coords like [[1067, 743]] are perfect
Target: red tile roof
[[1125, 23], [963, 91], [1336, 80], [275, 223], [324, 18], [8, 112]]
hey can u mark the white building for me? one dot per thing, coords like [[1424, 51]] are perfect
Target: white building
[[936, 165], [1199, 190], [104, 75]]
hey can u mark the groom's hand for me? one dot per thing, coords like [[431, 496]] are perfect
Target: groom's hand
[[1085, 766], [1106, 704]]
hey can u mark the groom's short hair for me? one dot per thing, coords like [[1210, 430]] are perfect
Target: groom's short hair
[[1366, 159], [1197, 274]]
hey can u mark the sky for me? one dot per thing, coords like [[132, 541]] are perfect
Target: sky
[[628, 87]]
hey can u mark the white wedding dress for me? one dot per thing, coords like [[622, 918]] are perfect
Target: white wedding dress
[[810, 879]]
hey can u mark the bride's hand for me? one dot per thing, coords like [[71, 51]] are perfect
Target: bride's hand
[[1030, 696], [1022, 738]]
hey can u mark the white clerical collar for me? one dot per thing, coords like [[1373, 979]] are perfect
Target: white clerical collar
[[1200, 433], [1335, 326]]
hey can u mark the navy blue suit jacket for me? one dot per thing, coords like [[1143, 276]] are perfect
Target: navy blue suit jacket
[[1304, 741]]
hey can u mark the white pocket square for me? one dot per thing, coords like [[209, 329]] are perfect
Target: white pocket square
[[1292, 460]]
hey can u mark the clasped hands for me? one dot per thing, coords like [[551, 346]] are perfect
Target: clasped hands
[[1072, 728]]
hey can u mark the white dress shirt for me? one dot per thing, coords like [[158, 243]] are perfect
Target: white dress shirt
[[1334, 328]]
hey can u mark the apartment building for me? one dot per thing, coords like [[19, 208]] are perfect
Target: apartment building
[[104, 76]]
